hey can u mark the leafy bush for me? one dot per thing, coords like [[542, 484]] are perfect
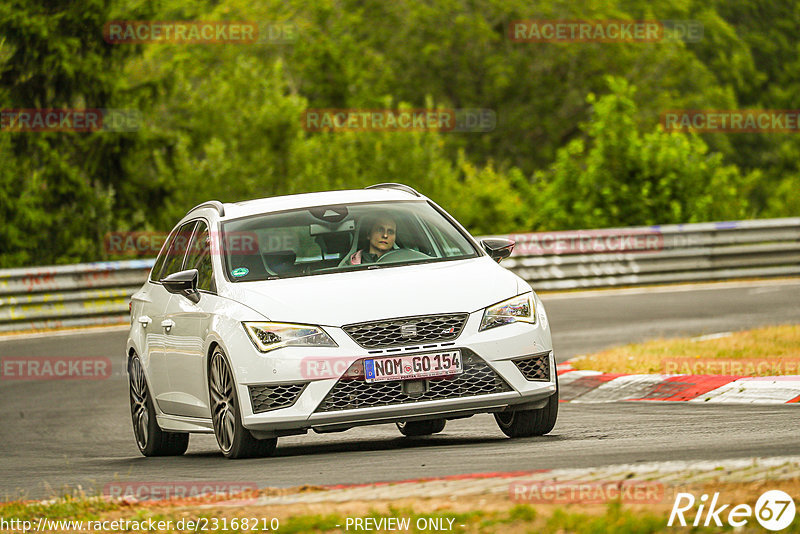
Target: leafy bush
[[615, 175]]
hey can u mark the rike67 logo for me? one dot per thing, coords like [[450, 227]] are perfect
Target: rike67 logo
[[774, 510]]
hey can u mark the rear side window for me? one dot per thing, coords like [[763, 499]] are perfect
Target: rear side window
[[173, 261], [199, 258]]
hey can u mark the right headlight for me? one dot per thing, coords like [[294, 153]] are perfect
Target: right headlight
[[514, 310], [270, 336]]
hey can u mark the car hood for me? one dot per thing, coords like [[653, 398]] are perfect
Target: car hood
[[337, 299]]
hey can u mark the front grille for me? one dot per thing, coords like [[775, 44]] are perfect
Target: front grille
[[535, 367], [407, 330], [273, 396], [476, 379]]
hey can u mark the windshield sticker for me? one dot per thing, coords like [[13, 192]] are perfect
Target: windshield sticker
[[241, 271]]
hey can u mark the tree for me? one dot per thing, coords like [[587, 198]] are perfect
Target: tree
[[58, 187], [617, 176]]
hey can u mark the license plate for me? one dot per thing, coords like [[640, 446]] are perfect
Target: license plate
[[413, 366]]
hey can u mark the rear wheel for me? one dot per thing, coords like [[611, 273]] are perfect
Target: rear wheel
[[234, 440], [151, 440], [421, 428]]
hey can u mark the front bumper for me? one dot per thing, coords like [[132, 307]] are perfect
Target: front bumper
[[293, 368]]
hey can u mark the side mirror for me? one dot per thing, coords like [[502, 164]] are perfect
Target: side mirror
[[497, 248], [183, 283]]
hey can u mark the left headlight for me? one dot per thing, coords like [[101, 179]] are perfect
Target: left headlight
[[271, 336], [518, 309]]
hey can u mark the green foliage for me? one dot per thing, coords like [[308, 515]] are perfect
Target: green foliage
[[577, 142], [785, 200], [257, 147], [354, 54], [618, 176], [57, 189]]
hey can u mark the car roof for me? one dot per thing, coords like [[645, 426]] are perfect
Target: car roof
[[235, 210]]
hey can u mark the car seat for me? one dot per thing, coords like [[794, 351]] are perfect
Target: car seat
[[359, 242]]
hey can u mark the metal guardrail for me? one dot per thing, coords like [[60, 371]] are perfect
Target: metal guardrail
[[69, 295], [98, 293], [657, 254]]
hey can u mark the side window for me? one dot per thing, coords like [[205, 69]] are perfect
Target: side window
[[200, 257], [162, 256], [177, 250]]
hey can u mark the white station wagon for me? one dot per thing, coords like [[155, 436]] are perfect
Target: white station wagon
[[330, 310]]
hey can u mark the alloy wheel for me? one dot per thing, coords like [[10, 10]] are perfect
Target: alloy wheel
[[139, 400], [223, 401]]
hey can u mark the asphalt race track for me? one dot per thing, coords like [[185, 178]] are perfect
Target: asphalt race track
[[69, 433]]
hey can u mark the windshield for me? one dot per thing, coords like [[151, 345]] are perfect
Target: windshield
[[339, 238]]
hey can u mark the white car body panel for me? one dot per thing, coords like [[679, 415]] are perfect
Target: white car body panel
[[359, 296]]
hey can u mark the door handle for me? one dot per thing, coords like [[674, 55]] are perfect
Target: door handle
[[144, 321], [167, 324]]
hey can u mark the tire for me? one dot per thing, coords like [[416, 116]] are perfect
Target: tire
[[421, 428], [151, 440], [526, 423], [234, 440]]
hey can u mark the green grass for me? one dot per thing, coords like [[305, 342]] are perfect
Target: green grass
[[67, 507], [772, 350]]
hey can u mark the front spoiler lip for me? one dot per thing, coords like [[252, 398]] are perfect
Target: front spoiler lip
[[387, 414]]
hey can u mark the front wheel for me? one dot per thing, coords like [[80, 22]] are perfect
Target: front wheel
[[526, 423], [421, 428], [234, 440], [151, 440]]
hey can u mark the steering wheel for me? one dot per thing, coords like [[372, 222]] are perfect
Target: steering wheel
[[402, 254]]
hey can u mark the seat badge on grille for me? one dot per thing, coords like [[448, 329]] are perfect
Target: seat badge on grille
[[408, 330], [451, 330]]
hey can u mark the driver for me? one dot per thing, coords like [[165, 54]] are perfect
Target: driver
[[380, 240]]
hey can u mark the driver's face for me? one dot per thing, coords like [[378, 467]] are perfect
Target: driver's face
[[382, 236]]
